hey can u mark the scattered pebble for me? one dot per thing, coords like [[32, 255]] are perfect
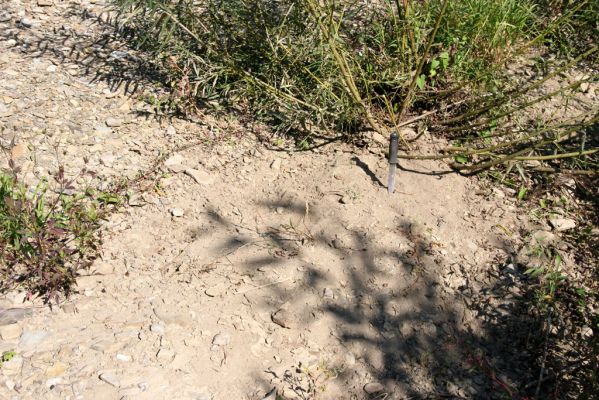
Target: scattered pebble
[[221, 339], [110, 378], [177, 212]]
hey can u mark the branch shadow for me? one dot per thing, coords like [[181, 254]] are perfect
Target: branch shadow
[[399, 318]]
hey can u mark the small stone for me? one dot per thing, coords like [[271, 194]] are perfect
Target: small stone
[[103, 268], [45, 3], [216, 291], [31, 339], [328, 293], [123, 357], [107, 159], [5, 16], [170, 130], [177, 212], [19, 151], [174, 160], [562, 224], [102, 130], [373, 388], [157, 329], [283, 318], [143, 386], [221, 339], [57, 369], [201, 177], [13, 315], [26, 22], [8, 44], [168, 315], [114, 122], [13, 366], [542, 238], [51, 68], [9, 332], [110, 378], [165, 355], [276, 164]]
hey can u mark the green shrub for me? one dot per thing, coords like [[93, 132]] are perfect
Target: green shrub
[[301, 64]]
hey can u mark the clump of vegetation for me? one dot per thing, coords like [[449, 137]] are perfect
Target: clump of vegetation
[[46, 237]]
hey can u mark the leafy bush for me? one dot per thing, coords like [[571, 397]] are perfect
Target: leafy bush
[[45, 238], [300, 64]]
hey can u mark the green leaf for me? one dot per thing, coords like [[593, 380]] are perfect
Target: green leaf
[[444, 57], [522, 193], [420, 81], [435, 64], [461, 159], [543, 203]]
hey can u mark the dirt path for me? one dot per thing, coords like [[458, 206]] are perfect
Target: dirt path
[[247, 268]]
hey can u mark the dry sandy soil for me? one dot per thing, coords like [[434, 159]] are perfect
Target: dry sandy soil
[[248, 267]]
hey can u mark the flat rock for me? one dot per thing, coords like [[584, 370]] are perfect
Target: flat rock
[[216, 291], [221, 339], [283, 318], [31, 339], [110, 378], [13, 315], [562, 224], [177, 212], [171, 317], [165, 355], [114, 122], [174, 160], [9, 332], [373, 387], [57, 369], [200, 176]]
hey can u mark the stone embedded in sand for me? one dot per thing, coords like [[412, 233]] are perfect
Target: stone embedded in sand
[[31, 339], [10, 332], [174, 160], [13, 315], [110, 378], [177, 212], [114, 122], [283, 318], [221, 339], [562, 224], [201, 177], [373, 387]]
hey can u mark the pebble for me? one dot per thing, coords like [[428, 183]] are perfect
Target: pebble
[[167, 314], [201, 177], [562, 224], [174, 160], [170, 130], [177, 212], [5, 16], [158, 329], [110, 378], [9, 332], [57, 369], [26, 22], [123, 357], [31, 339], [165, 355], [215, 291], [328, 293], [13, 315], [373, 387], [283, 318], [221, 339], [45, 3], [114, 122]]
